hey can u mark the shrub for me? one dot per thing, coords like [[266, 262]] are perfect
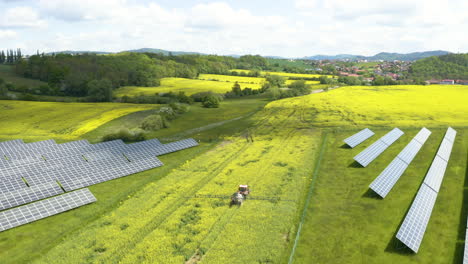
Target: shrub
[[154, 122], [126, 135], [198, 97], [179, 108], [210, 101]]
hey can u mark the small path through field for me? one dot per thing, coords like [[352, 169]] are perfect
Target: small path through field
[[203, 128], [322, 90]]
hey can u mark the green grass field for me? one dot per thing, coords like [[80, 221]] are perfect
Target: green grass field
[[347, 223], [205, 124]]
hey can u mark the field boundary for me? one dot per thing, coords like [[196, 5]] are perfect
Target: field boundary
[[309, 195]]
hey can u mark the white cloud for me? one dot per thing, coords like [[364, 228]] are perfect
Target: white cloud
[[7, 34], [76, 10], [308, 27], [21, 17]]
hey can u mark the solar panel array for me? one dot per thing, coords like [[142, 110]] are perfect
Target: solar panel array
[[414, 226], [31, 173], [392, 173], [359, 137], [44, 208], [373, 151]]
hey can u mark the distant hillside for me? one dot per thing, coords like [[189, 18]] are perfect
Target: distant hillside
[[165, 52], [407, 57], [77, 52], [386, 56], [451, 66], [335, 57]]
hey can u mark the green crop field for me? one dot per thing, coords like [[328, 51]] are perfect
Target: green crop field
[[296, 146], [189, 86], [64, 121]]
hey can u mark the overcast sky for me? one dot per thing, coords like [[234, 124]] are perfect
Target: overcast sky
[[293, 28]]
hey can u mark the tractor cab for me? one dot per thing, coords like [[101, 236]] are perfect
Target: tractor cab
[[244, 190]]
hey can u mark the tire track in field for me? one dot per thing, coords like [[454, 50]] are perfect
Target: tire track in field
[[168, 211], [227, 217]]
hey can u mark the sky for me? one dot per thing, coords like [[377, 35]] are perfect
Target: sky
[[287, 28]]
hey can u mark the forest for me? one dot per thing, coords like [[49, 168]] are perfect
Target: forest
[[73, 74], [450, 66]]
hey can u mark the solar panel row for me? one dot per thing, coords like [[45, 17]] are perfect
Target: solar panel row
[[84, 165], [414, 226], [29, 194], [11, 143], [20, 147], [44, 208], [373, 151], [383, 184], [359, 137]]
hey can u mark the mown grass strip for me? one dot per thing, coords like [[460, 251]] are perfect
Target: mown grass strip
[[309, 195]]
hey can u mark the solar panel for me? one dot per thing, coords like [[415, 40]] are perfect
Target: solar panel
[[10, 144], [387, 179], [374, 150], [389, 176], [423, 135], [451, 134], [85, 165], [370, 153], [392, 136], [409, 152], [445, 149], [414, 226], [436, 172], [29, 194], [45, 208], [359, 137]]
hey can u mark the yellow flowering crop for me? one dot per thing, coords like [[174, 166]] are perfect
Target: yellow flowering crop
[[46, 120]]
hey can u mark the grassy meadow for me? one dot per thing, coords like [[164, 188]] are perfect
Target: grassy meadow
[[347, 223]]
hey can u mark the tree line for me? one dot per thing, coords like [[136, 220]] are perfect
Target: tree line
[[10, 56], [94, 75], [450, 66]]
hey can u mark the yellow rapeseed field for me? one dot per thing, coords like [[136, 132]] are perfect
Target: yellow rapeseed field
[[229, 78], [163, 223], [244, 80], [44, 120], [189, 86], [284, 74], [402, 105]]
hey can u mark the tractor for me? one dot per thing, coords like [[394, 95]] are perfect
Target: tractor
[[240, 196]]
